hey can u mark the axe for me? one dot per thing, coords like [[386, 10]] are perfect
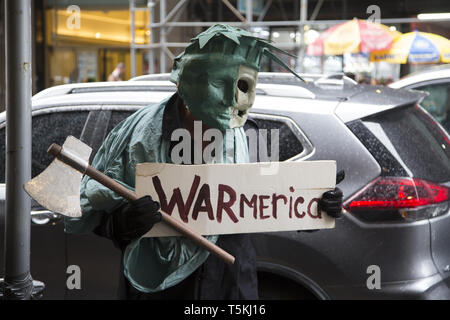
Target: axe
[[57, 188]]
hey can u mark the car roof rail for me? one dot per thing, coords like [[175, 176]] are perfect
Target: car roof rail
[[284, 90], [112, 86], [152, 77], [335, 79]]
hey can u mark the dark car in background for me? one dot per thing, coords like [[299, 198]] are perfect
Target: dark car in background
[[396, 191]]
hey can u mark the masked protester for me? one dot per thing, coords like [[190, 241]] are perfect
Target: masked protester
[[216, 78]]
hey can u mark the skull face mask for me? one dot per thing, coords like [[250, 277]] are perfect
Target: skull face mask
[[244, 96], [217, 74]]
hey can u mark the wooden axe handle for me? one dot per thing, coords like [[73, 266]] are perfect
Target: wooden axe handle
[[131, 196]]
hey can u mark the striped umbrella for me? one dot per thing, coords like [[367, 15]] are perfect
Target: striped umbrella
[[353, 36], [415, 48]]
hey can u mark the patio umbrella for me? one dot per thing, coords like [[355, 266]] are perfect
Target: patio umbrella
[[415, 48], [353, 36]]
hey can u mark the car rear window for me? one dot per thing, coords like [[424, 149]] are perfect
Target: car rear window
[[289, 144], [406, 142], [117, 117], [47, 128]]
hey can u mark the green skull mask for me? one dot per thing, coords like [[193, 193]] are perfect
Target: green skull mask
[[217, 74]]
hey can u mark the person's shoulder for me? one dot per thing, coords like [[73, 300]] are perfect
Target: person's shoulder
[[149, 117], [146, 118]]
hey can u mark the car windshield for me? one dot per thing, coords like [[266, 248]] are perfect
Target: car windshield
[[415, 140]]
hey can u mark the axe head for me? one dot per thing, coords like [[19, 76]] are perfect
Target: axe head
[[57, 188]]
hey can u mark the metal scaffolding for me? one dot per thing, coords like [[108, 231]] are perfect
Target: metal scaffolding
[[170, 20]]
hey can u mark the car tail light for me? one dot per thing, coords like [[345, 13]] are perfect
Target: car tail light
[[399, 199]]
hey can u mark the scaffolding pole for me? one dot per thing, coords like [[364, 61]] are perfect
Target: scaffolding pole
[[151, 55], [302, 48], [133, 38], [249, 13], [162, 36]]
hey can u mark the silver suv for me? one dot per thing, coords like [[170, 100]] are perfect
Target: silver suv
[[392, 241]]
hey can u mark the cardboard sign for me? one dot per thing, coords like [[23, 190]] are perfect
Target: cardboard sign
[[239, 198]]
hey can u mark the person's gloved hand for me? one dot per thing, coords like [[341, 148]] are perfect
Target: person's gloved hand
[[135, 218], [129, 221], [331, 201]]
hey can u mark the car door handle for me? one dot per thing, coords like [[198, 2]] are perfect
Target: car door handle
[[45, 217]]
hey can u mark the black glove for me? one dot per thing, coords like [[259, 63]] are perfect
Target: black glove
[[130, 221], [136, 218], [331, 201]]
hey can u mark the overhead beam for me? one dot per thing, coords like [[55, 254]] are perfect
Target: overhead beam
[[287, 23]]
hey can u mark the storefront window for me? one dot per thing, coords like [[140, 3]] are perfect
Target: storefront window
[[87, 40]]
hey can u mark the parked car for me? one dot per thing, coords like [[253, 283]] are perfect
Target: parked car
[[393, 153], [436, 82]]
